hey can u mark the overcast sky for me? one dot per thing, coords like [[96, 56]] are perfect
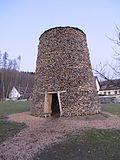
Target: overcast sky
[[23, 21]]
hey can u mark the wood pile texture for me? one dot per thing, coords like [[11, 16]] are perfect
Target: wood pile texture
[[63, 64]]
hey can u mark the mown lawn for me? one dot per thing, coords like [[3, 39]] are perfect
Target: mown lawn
[[92, 144], [7, 128], [7, 108], [112, 108]]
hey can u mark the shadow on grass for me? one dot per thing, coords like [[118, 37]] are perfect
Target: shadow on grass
[[94, 144], [9, 129]]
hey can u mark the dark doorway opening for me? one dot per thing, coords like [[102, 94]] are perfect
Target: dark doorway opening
[[55, 105]]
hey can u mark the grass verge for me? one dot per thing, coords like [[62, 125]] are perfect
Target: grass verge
[[89, 145], [112, 108], [7, 128], [7, 108]]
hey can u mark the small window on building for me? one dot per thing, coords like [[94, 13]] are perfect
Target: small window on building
[[108, 93], [104, 93], [115, 92]]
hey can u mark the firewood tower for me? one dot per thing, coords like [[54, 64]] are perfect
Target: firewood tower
[[64, 82]]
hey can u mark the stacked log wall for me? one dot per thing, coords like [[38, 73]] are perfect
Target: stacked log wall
[[63, 64]]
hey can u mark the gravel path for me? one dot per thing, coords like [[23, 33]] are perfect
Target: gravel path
[[44, 131]]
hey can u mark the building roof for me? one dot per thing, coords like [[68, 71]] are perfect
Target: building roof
[[110, 85], [25, 92]]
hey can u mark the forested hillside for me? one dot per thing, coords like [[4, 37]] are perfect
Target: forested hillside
[[11, 76]]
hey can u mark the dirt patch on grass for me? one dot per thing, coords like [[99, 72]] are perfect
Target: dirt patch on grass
[[44, 131]]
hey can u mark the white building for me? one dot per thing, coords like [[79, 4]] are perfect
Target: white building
[[110, 91], [14, 94], [97, 84]]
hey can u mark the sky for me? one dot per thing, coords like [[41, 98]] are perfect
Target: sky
[[23, 21]]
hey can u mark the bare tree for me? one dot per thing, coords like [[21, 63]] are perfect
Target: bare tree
[[8, 73], [103, 72], [18, 61], [5, 60], [111, 71], [0, 59], [15, 65]]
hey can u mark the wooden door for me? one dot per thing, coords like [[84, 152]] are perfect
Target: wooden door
[[49, 103]]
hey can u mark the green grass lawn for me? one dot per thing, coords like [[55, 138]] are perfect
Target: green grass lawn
[[112, 108], [7, 128], [7, 108], [90, 145]]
